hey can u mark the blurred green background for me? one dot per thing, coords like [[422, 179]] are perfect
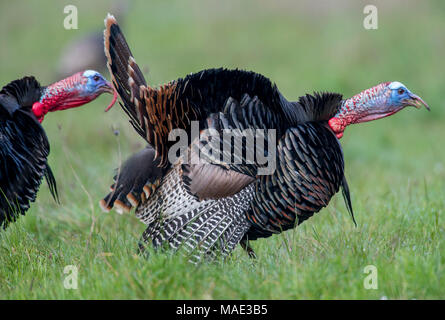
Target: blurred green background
[[395, 166]]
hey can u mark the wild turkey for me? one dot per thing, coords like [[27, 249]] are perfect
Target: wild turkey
[[24, 146], [207, 208]]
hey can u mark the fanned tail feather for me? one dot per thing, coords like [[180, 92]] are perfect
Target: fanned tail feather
[[125, 73]]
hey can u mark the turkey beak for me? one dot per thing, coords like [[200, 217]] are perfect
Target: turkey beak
[[108, 87], [416, 101]]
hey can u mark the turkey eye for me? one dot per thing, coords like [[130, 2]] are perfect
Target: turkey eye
[[96, 78], [401, 91]]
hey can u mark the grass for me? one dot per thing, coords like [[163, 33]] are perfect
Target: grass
[[395, 166]]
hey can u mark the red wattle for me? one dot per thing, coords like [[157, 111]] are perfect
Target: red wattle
[[39, 111], [337, 126]]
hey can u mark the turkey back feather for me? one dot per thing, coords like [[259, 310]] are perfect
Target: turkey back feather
[[309, 172]]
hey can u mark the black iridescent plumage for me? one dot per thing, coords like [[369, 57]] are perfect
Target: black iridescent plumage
[[210, 208], [24, 149]]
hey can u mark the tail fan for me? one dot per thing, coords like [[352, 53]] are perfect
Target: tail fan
[[125, 73]]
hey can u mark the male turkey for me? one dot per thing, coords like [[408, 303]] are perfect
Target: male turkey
[[209, 207], [24, 147]]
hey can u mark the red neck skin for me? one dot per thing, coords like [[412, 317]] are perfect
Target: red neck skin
[[64, 94], [362, 107]]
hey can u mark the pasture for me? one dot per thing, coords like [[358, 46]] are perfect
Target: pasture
[[395, 166]]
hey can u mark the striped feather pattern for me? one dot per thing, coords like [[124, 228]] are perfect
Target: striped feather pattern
[[179, 219], [310, 171]]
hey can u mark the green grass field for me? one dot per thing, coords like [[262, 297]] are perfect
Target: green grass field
[[395, 166]]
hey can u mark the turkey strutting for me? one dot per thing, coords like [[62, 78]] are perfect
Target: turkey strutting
[[209, 208]]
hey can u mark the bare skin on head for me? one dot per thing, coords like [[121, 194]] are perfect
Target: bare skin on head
[[74, 91], [378, 102]]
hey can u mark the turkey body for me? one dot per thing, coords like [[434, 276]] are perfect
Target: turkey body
[[24, 149], [208, 207]]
